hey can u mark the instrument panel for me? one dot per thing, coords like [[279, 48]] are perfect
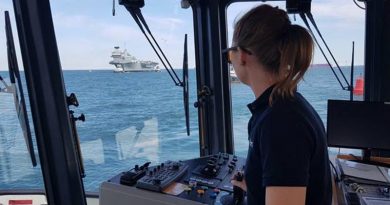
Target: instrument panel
[[204, 180]]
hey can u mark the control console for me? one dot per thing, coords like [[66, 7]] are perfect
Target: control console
[[133, 175], [204, 180], [162, 176], [362, 184], [363, 192]]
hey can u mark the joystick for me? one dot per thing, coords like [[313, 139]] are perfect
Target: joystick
[[130, 177], [210, 170], [238, 194]]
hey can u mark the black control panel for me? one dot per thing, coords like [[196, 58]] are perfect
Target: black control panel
[[205, 180], [162, 176]]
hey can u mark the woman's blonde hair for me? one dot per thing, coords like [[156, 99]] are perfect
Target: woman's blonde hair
[[284, 49]]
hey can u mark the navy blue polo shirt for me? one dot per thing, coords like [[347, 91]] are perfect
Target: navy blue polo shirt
[[287, 147]]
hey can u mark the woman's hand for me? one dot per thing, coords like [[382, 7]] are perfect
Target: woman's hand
[[241, 184]]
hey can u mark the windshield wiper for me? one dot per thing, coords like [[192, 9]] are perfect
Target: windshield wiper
[[20, 104], [134, 8]]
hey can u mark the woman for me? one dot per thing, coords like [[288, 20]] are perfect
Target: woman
[[287, 160]]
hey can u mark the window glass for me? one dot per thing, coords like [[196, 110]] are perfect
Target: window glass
[[131, 117], [16, 169], [319, 83]]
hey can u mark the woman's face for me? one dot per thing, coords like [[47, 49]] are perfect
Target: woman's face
[[238, 65]]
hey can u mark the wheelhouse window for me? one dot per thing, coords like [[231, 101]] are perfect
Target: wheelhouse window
[[16, 126], [15, 163], [133, 110], [319, 83]]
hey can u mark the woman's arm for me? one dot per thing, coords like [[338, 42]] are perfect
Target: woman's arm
[[285, 195]]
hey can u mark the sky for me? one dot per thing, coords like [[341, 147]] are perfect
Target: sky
[[86, 31]]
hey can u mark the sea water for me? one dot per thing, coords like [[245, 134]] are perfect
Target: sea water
[[132, 118]]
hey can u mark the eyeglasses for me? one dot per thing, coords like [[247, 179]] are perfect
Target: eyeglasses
[[228, 52]]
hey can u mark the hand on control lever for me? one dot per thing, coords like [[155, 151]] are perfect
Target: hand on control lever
[[239, 181], [239, 187]]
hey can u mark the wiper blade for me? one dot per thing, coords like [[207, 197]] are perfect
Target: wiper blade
[[303, 16], [135, 11], [185, 86], [20, 104]]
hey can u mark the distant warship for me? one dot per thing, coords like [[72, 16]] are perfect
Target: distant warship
[[124, 62]]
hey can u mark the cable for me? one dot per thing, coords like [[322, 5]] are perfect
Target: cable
[[337, 179], [354, 1]]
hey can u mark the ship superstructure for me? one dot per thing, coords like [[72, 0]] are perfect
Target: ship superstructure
[[124, 62]]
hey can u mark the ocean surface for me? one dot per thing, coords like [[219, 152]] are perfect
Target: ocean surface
[[132, 118]]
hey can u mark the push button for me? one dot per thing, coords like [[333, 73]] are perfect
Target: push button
[[200, 191]]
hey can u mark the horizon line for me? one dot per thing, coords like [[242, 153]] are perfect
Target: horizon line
[[162, 69]]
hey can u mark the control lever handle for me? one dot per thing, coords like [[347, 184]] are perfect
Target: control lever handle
[[238, 193]]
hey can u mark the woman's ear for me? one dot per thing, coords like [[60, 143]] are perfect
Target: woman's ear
[[243, 56]]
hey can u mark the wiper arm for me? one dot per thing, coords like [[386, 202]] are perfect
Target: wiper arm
[[20, 104], [133, 6], [6, 88], [135, 11], [303, 16], [310, 16]]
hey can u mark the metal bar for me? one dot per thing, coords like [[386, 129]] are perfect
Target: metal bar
[[215, 124], [200, 77], [377, 51], [227, 95], [352, 72], [60, 170]]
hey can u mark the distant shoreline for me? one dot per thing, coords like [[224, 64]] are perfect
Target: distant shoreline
[[320, 65], [96, 69], [324, 65]]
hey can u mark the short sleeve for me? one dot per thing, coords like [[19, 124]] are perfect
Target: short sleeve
[[286, 148]]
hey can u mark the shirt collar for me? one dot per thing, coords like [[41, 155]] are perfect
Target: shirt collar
[[262, 101]]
